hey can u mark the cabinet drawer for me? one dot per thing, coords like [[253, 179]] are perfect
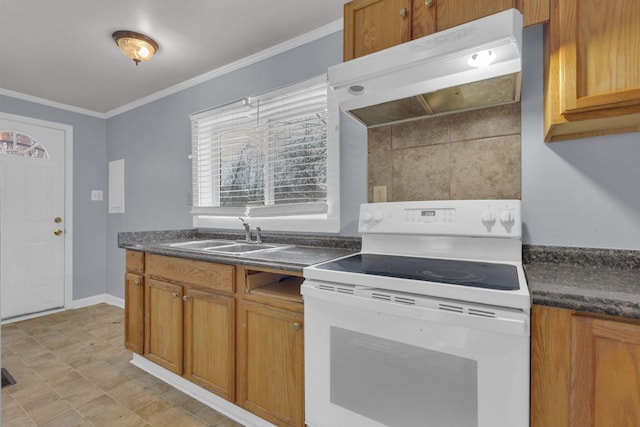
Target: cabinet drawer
[[199, 273], [135, 262]]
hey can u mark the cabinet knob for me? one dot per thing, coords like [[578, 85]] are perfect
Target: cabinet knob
[[185, 298], [137, 283], [404, 11], [174, 294], [296, 326], [429, 3]]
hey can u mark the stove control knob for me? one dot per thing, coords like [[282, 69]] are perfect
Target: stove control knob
[[506, 215], [377, 216], [488, 216], [367, 217]]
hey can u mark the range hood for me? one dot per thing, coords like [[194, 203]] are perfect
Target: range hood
[[432, 75]]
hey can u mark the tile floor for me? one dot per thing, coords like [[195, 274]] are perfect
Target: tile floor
[[72, 369]]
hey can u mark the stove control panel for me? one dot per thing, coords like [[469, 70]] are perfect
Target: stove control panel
[[490, 218]]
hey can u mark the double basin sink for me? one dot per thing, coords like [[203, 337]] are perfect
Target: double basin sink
[[227, 247]]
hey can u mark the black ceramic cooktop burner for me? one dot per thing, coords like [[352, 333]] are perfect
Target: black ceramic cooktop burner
[[454, 272]]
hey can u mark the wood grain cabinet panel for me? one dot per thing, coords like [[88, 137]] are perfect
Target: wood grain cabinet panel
[[450, 13], [134, 312], [209, 341], [163, 324], [585, 369], [592, 72], [373, 25], [272, 369]]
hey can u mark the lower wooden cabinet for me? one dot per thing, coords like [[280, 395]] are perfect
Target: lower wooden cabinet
[[585, 369], [271, 375], [163, 324], [209, 341], [134, 312], [235, 331]]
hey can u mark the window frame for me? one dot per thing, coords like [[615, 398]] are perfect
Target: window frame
[[269, 218]]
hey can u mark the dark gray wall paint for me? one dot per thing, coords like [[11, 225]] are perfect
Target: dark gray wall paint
[[89, 173], [582, 192]]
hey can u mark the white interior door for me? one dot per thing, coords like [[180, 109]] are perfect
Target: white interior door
[[32, 218]]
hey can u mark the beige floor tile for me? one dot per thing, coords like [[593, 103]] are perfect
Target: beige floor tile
[[49, 411], [103, 411], [70, 418], [72, 370]]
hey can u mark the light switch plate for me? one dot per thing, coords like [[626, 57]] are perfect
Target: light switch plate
[[96, 194]]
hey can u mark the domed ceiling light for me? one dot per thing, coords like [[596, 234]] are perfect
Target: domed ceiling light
[[135, 45]]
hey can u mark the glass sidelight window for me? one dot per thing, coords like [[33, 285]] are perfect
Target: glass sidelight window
[[21, 145]]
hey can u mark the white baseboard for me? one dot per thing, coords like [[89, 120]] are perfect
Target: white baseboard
[[200, 394], [97, 299], [80, 303]]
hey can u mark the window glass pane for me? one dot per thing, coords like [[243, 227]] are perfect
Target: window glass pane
[[21, 145], [263, 151]]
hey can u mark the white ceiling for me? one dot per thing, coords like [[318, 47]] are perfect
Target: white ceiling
[[62, 51]]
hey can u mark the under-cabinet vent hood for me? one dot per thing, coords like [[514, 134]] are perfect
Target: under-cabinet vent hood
[[433, 75]]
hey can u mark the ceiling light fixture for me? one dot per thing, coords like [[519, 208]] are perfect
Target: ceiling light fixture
[[135, 45]]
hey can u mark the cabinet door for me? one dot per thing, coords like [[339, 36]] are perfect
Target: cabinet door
[[134, 312], [271, 375], [585, 370], [163, 324], [210, 341], [450, 13], [599, 47], [373, 25], [606, 375], [592, 69]]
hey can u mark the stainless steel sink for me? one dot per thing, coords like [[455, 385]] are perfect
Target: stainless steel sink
[[224, 246], [200, 244], [242, 248]]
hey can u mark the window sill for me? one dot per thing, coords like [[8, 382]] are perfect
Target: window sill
[[302, 223]]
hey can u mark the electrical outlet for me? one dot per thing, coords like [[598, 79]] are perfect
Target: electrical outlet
[[96, 195], [380, 194]]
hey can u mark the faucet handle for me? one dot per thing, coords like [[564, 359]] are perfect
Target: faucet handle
[[258, 237]]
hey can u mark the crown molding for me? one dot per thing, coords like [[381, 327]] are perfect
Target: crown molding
[[54, 104], [316, 34], [311, 36]]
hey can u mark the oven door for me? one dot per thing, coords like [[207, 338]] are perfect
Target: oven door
[[375, 360]]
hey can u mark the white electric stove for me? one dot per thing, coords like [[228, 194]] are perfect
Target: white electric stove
[[428, 325]]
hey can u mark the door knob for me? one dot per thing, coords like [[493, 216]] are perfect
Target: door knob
[[57, 232]]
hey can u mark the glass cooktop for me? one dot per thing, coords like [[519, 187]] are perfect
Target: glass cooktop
[[502, 277]]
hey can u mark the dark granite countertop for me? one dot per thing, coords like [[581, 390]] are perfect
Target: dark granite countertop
[[603, 281], [593, 280], [305, 250]]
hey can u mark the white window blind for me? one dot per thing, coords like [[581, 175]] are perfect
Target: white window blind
[[264, 155]]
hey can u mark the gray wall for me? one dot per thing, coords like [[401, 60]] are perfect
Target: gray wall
[[155, 141], [575, 193], [583, 192], [89, 173]]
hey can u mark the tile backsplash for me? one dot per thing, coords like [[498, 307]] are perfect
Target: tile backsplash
[[470, 155]]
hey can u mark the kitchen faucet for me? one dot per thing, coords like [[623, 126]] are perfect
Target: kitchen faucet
[[247, 229], [247, 232]]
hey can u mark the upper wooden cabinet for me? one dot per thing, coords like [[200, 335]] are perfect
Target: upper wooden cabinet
[[585, 369], [592, 72], [373, 25]]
